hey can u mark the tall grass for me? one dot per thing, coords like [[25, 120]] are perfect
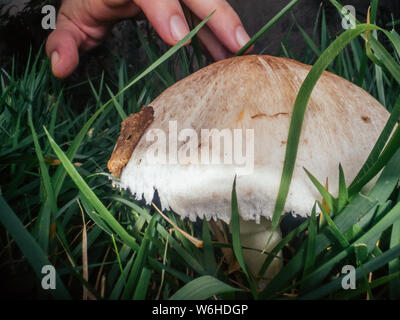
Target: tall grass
[[53, 168]]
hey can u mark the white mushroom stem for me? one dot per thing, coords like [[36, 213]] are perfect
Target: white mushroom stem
[[255, 236]]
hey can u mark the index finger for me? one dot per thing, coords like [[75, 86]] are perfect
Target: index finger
[[225, 23]]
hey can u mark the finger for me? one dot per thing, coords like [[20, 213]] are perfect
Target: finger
[[62, 47], [225, 23], [167, 18], [82, 25], [211, 44]]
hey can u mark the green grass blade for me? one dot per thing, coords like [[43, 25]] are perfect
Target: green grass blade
[[143, 284], [236, 243], [359, 207], [265, 28], [388, 153], [189, 259], [281, 245], [377, 52], [49, 205], [139, 261], [91, 196], [310, 43], [209, 255], [118, 258], [368, 267], [321, 189], [121, 282], [299, 110], [310, 252], [117, 104], [91, 212], [361, 289], [334, 229], [29, 247], [343, 196], [162, 73], [156, 265], [394, 266], [202, 288], [361, 253], [369, 239]]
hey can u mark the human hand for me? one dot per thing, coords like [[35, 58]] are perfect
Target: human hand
[[83, 24]]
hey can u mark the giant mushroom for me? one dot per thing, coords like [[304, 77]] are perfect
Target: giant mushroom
[[247, 101]]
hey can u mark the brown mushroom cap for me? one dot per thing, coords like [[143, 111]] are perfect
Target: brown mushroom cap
[[341, 125]]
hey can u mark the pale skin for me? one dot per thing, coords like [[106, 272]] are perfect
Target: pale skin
[[83, 24]]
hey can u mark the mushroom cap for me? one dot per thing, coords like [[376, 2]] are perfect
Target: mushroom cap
[[341, 126]]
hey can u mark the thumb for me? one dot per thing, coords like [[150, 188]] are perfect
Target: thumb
[[62, 48]]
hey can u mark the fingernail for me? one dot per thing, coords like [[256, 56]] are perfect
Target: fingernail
[[241, 36], [179, 29], [54, 58]]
